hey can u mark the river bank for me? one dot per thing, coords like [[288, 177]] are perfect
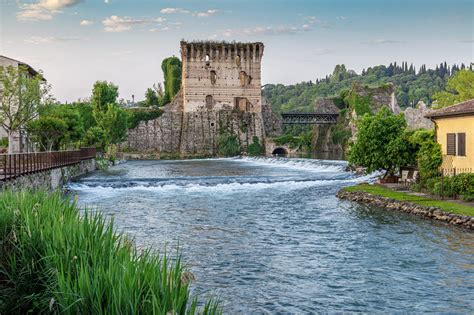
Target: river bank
[[375, 195]]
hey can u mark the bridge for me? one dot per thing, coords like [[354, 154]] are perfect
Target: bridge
[[294, 118]]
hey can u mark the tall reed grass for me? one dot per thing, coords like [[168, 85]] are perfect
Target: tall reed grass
[[53, 260]]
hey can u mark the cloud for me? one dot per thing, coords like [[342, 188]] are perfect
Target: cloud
[[266, 30], [341, 17], [207, 13], [382, 42], [312, 20], [174, 11], [116, 23], [43, 9], [49, 39], [86, 22]]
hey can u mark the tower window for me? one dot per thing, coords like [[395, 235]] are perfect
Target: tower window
[[209, 101], [213, 77]]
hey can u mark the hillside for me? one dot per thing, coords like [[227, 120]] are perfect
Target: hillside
[[411, 85]]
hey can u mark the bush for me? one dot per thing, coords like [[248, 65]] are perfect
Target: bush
[[255, 148], [227, 144], [136, 116], [55, 261], [464, 184], [450, 186]]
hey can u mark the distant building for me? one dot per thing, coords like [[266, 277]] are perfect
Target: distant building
[[20, 143], [455, 132]]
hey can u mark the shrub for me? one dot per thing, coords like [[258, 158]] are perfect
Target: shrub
[[464, 184], [255, 148], [55, 261], [227, 144], [136, 116]]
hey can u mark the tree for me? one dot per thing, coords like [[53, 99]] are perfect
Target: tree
[[114, 123], [429, 156], [382, 143], [103, 93], [97, 137], [227, 144], [19, 99], [460, 88], [255, 148], [47, 132], [172, 68], [151, 98]]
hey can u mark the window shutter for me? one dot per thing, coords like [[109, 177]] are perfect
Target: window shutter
[[462, 144], [451, 144]]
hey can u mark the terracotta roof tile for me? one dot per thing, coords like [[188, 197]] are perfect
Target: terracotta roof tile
[[464, 108]]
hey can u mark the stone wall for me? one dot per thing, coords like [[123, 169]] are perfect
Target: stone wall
[[51, 179], [415, 117], [408, 207]]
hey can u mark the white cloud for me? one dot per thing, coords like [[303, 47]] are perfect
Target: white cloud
[[49, 39], [116, 23], [323, 51], [266, 30], [342, 17], [207, 13], [86, 22], [312, 20], [173, 10], [381, 42], [43, 9]]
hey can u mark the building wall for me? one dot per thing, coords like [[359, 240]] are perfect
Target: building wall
[[221, 76], [456, 125]]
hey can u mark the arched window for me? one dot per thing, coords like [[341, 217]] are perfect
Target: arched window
[[213, 77], [207, 58], [209, 101], [237, 60]]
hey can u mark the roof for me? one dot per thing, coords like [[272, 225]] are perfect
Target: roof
[[31, 70], [462, 109]]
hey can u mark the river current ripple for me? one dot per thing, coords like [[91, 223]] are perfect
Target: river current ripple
[[268, 235]]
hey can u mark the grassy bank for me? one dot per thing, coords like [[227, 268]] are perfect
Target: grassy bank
[[447, 206], [54, 260]]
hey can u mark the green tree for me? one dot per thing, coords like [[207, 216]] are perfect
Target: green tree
[[20, 97], [114, 123], [460, 88], [382, 143], [151, 98], [172, 68], [47, 132], [96, 136], [103, 93], [429, 156]]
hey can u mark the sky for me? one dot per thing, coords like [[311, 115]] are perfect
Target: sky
[[77, 42]]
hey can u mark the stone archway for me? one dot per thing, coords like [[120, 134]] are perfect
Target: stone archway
[[279, 151]]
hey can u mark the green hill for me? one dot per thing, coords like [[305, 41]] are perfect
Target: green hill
[[411, 85]]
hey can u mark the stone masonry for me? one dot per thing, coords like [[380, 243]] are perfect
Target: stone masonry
[[220, 91]]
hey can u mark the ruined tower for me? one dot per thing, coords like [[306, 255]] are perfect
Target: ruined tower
[[220, 93], [221, 76]]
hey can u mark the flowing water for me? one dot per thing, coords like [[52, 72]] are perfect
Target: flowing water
[[268, 235]]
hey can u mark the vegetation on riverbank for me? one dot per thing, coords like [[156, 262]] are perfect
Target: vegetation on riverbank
[[447, 206], [54, 260]]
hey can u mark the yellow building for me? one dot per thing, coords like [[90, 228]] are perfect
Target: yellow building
[[455, 132]]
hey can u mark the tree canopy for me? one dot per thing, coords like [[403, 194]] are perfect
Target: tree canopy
[[460, 88], [382, 143]]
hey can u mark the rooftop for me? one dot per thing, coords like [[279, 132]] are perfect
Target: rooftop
[[461, 109], [31, 70]]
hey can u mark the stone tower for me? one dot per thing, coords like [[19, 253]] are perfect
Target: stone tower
[[220, 93], [221, 76]]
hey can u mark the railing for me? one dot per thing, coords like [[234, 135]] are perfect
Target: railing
[[456, 170], [18, 164]]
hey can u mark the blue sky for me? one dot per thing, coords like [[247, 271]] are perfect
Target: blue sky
[[78, 42]]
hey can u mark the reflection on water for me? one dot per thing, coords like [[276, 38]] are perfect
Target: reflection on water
[[268, 235]]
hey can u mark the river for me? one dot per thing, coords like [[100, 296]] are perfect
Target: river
[[268, 235]]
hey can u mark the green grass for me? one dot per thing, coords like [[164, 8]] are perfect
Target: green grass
[[447, 206], [54, 260]]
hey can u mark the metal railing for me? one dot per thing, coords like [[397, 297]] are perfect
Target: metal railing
[[18, 164], [456, 171]]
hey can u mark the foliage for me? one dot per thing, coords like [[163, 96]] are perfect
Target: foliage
[[255, 148], [4, 142], [58, 261], [114, 121], [429, 156], [135, 116], [227, 144], [301, 142], [382, 143], [460, 88], [411, 86], [97, 137], [103, 93], [172, 69], [20, 98], [151, 98], [422, 201], [47, 132], [361, 104]]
